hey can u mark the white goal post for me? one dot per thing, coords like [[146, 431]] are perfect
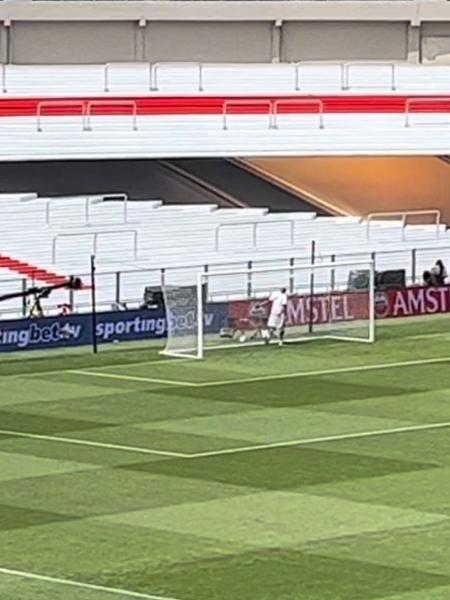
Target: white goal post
[[230, 308]]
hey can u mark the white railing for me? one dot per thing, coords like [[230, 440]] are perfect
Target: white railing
[[424, 103], [273, 105], [316, 102], [107, 69], [95, 236], [55, 104], [88, 201], [86, 111], [4, 88], [344, 82], [435, 213], [119, 290], [155, 67], [105, 104], [264, 102], [349, 66], [255, 225], [312, 63]]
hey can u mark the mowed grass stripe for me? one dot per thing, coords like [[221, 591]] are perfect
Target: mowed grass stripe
[[81, 585]]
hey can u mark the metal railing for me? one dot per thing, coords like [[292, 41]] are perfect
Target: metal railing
[[264, 102], [412, 260], [55, 104], [105, 103], [403, 217], [155, 67], [107, 69], [345, 81], [344, 68], [254, 225], [272, 105], [87, 108], [88, 201], [95, 235], [4, 87], [316, 102], [312, 63], [424, 102]]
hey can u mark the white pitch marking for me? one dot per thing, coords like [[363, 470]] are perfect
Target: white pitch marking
[[59, 371], [238, 450], [320, 440], [419, 336], [355, 369], [93, 444], [80, 584], [132, 378]]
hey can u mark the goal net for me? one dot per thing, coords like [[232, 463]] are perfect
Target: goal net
[[226, 309]]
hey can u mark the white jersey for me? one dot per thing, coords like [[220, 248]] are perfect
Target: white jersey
[[279, 302]]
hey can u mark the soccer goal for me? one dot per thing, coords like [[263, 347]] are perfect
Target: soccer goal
[[231, 308]]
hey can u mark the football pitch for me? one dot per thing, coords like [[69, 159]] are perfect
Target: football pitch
[[316, 471]]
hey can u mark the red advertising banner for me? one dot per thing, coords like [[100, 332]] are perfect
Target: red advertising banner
[[301, 310], [346, 306], [412, 301]]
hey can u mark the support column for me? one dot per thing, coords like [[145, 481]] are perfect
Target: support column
[[276, 40], [141, 51], [413, 44], [5, 54]]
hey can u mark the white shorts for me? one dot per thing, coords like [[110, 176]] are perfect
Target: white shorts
[[276, 321]]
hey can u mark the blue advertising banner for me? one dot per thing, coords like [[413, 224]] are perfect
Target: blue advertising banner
[[76, 330]]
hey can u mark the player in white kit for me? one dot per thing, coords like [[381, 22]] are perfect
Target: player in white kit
[[277, 316]]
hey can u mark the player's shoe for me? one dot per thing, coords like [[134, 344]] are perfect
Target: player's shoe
[[280, 343]]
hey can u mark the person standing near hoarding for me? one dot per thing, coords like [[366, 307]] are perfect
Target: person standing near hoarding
[[439, 273]]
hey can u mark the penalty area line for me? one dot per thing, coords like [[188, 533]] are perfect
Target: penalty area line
[[128, 364], [322, 440], [225, 451], [82, 585], [319, 372], [168, 382], [92, 444]]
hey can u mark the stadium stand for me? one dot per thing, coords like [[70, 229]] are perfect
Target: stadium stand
[[136, 240], [30, 271], [231, 78], [137, 111]]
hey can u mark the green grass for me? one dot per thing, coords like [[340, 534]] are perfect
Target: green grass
[[233, 497]]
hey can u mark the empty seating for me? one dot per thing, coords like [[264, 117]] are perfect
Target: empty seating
[[172, 78], [139, 243], [141, 110]]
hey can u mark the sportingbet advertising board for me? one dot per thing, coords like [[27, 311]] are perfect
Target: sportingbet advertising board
[[76, 330]]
